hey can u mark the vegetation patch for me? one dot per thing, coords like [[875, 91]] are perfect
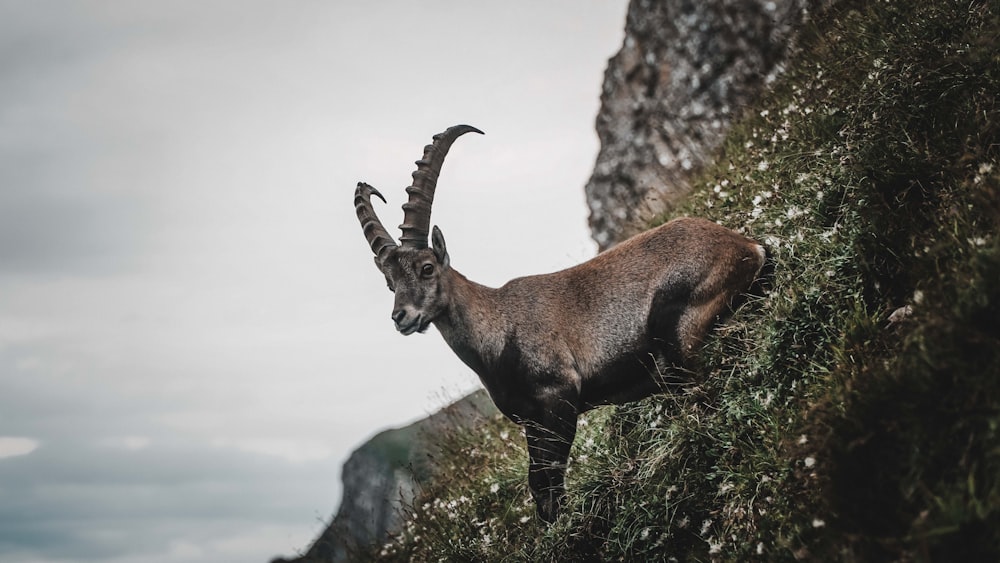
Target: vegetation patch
[[852, 410]]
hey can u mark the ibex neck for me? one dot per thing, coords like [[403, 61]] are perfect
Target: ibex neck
[[473, 325]]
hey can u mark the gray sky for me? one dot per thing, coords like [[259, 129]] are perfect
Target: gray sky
[[193, 336]]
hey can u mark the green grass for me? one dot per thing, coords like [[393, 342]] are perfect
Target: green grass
[[815, 428]]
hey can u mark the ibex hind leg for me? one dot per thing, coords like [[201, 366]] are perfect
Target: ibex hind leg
[[719, 297], [696, 323]]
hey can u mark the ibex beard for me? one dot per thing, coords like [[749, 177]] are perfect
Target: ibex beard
[[551, 346]]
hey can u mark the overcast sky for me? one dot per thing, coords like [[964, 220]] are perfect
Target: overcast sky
[[193, 336]]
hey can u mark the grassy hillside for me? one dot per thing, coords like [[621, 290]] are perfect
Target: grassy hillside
[[851, 413]]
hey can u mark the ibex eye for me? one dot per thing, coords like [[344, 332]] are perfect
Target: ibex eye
[[427, 271]]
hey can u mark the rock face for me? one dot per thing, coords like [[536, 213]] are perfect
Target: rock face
[[382, 476], [684, 72]]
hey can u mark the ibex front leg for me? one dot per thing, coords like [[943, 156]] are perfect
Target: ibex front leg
[[550, 434]]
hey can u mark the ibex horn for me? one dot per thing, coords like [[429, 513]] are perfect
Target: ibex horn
[[378, 238], [417, 211]]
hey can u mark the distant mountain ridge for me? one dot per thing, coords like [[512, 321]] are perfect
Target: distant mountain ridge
[[382, 475]]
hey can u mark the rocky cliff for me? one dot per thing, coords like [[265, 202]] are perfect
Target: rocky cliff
[[382, 476], [685, 71]]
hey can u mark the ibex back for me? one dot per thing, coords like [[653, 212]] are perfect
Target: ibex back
[[551, 346]]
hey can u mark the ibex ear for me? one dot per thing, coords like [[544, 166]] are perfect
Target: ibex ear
[[437, 244]]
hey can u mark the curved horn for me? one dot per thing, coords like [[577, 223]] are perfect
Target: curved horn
[[417, 211], [378, 238]]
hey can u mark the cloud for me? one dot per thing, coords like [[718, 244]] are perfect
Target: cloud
[[61, 234], [131, 443], [13, 446], [88, 502]]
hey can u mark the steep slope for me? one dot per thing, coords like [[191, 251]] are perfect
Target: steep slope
[[852, 413]]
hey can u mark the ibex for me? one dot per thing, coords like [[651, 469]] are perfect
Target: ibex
[[551, 346]]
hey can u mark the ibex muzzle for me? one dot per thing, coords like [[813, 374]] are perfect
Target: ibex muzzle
[[548, 347]]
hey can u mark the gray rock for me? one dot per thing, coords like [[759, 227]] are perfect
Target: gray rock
[[684, 72], [382, 476]]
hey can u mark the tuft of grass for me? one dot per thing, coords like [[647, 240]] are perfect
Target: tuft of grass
[[852, 412]]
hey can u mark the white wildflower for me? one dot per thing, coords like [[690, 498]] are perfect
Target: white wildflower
[[803, 439], [504, 435], [766, 401], [817, 523], [760, 548], [494, 488], [714, 548], [809, 461], [524, 519], [794, 211], [706, 526], [763, 165]]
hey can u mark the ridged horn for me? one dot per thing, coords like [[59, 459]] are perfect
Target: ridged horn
[[378, 238], [417, 211]]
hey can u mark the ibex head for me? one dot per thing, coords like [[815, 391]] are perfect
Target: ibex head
[[412, 270]]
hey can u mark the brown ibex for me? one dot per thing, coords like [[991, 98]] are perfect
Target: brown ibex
[[551, 346]]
